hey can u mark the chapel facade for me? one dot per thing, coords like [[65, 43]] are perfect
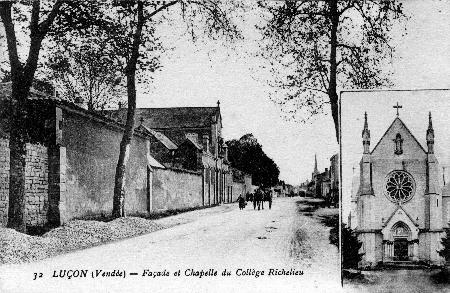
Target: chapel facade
[[401, 207]]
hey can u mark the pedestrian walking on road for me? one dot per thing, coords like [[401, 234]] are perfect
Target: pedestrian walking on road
[[248, 196], [262, 199], [269, 199], [259, 198], [241, 201]]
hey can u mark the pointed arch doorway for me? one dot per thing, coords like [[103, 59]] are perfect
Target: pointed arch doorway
[[400, 238], [401, 234]]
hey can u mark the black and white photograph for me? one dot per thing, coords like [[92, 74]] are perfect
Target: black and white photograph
[[395, 189], [224, 146], [151, 146]]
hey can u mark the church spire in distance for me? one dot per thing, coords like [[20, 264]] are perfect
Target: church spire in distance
[[366, 135], [316, 171], [430, 135]]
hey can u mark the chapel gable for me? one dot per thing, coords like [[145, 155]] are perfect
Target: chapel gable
[[398, 141]]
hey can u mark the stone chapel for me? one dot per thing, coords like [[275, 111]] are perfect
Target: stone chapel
[[401, 206]]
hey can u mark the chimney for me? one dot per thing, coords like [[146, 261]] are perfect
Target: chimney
[[206, 143], [225, 152], [120, 105], [79, 102]]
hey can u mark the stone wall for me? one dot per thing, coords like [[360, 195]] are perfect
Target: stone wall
[[446, 211], [74, 176], [36, 183], [241, 184], [92, 150], [238, 189], [175, 189]]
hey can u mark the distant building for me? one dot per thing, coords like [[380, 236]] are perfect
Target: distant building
[[188, 138], [334, 179], [279, 190], [320, 182], [241, 185], [324, 184]]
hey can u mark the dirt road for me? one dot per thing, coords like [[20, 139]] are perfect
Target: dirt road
[[277, 250]]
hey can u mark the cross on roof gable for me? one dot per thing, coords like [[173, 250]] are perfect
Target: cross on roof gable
[[397, 107]]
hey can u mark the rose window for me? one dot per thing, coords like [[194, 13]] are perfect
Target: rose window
[[399, 186]]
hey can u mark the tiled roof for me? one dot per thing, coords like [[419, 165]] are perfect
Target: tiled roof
[[153, 162], [5, 94], [161, 137], [179, 117], [197, 146]]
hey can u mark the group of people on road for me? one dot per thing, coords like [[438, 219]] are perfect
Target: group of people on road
[[258, 198]]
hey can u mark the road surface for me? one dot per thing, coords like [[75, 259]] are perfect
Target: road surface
[[202, 244]]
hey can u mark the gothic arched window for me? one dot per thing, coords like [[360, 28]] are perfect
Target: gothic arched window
[[400, 186], [398, 144]]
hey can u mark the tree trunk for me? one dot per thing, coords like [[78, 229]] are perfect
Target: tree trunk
[[22, 77], [21, 82], [18, 137], [17, 149], [332, 89], [125, 144], [125, 147]]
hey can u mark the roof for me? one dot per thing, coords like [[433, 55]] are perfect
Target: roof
[[178, 117], [197, 146], [407, 130], [5, 94], [399, 207], [160, 137], [3, 134], [154, 163]]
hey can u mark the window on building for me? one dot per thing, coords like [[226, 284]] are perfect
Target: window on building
[[400, 186], [193, 136], [448, 212], [398, 144]]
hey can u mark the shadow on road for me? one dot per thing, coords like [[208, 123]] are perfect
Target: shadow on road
[[313, 208], [299, 247]]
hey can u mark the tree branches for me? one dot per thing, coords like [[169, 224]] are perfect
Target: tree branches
[[333, 43], [8, 24]]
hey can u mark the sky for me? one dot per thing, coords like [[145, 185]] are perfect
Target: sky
[[194, 77], [200, 74]]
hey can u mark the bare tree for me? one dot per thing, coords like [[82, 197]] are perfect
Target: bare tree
[[317, 45], [205, 18]]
